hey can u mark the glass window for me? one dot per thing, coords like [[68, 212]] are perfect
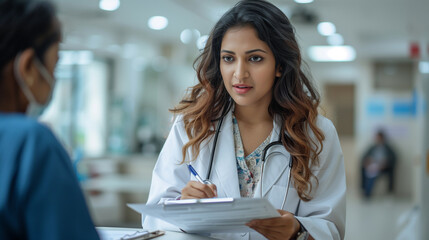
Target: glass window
[[78, 110]]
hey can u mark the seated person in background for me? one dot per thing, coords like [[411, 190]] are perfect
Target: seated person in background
[[40, 197], [378, 159]]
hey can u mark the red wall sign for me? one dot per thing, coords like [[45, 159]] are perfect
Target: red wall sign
[[414, 50]]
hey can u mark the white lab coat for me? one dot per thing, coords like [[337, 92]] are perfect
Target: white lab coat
[[324, 216]]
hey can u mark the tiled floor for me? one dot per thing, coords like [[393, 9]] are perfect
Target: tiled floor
[[379, 218], [382, 217]]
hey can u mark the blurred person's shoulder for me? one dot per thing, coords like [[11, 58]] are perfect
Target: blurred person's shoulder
[[19, 127]]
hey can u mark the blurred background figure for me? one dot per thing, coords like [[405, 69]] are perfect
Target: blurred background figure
[[40, 197], [378, 160]]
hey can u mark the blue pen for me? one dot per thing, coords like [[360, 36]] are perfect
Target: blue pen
[[197, 176]]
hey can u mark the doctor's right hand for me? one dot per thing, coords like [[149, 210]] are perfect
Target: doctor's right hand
[[198, 190]]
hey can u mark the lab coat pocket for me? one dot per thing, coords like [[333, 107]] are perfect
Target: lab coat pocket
[[276, 196]]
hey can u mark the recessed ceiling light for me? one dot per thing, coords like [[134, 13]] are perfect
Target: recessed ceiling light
[[189, 35], [332, 53], [186, 36], [157, 22], [303, 1], [201, 42], [326, 28], [109, 5]]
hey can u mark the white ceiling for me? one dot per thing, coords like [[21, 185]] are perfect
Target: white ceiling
[[376, 28]]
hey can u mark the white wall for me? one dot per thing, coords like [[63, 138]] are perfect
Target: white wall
[[423, 189], [403, 132]]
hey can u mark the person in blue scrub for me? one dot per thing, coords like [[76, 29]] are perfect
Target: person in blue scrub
[[40, 197]]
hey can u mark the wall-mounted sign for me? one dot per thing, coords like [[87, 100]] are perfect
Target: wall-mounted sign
[[414, 50]]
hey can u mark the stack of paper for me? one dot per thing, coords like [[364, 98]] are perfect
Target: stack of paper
[[210, 215]]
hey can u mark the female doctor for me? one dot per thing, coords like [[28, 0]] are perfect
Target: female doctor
[[253, 96]]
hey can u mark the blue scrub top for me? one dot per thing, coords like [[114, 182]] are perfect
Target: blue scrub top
[[40, 197]]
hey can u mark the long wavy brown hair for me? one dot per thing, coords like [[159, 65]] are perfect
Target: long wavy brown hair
[[295, 100]]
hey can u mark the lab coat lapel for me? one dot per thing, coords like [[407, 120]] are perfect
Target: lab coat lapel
[[277, 161], [225, 166]]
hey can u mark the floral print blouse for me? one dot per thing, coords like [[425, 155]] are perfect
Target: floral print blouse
[[248, 167]]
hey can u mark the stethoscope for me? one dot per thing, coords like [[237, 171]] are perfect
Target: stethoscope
[[264, 152]]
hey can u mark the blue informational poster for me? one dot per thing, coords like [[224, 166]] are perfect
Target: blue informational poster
[[405, 108], [376, 107]]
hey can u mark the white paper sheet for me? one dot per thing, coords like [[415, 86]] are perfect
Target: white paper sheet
[[210, 215]]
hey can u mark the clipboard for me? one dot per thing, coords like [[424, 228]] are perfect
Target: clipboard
[[212, 215], [113, 233], [143, 235]]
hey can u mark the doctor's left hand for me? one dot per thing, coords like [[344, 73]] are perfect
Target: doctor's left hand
[[284, 227]]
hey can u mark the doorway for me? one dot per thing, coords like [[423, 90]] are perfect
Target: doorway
[[339, 104]]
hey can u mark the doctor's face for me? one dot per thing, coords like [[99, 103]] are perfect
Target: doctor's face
[[248, 67]]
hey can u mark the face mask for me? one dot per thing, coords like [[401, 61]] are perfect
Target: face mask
[[34, 109]]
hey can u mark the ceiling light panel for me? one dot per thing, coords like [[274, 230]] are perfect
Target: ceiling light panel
[[332, 53], [303, 1], [157, 22]]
